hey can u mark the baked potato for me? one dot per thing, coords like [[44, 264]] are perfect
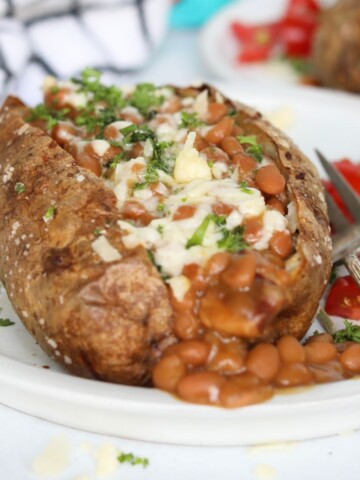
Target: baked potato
[[130, 219], [336, 46]]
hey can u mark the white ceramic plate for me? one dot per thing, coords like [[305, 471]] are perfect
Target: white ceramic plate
[[314, 119], [218, 47]]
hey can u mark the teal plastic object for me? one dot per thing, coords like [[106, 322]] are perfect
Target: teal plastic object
[[193, 13]]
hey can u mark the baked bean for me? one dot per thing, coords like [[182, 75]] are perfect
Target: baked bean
[[230, 313], [227, 361], [263, 361], [233, 396], [200, 143], [215, 112], [90, 162], [274, 203], [168, 372], [200, 387], [293, 374], [62, 133], [252, 229], [220, 130], [273, 258], [270, 180], [57, 98], [216, 263], [186, 325], [237, 131], [270, 270], [221, 208], [215, 154], [136, 151], [183, 212], [245, 164], [331, 371], [320, 352], [191, 352], [321, 337], [136, 211], [291, 350], [246, 380], [111, 132], [271, 297], [172, 105], [350, 358], [231, 146], [240, 273], [281, 243]]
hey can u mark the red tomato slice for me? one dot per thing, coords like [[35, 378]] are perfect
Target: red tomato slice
[[351, 171], [261, 34], [344, 299], [302, 7]]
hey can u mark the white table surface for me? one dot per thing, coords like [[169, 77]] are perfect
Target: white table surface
[[23, 437]]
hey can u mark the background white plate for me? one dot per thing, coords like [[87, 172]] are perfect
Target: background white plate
[[328, 121], [219, 48]]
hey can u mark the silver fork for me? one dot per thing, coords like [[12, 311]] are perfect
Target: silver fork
[[346, 241]]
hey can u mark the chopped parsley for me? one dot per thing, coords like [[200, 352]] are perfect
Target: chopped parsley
[[211, 163], [160, 229], [111, 164], [233, 240], [351, 333], [50, 115], [50, 212], [132, 459], [197, 237], [144, 98], [160, 207], [190, 120], [5, 322], [252, 148], [244, 188], [158, 160], [96, 231], [19, 188]]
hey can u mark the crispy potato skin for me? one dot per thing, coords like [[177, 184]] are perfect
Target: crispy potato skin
[[102, 320], [103, 317], [312, 265]]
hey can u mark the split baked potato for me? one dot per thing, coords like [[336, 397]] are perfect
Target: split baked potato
[[125, 217]]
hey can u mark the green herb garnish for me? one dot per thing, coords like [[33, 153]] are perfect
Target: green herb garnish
[[132, 459], [160, 207], [145, 99], [48, 114], [50, 213], [5, 322], [96, 231], [351, 333], [233, 240], [244, 188], [197, 237], [19, 188], [190, 120], [252, 147]]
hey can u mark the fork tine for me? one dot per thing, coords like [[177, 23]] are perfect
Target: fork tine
[[347, 194], [337, 218]]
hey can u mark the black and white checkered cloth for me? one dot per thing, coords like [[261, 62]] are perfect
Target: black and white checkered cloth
[[62, 37]]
